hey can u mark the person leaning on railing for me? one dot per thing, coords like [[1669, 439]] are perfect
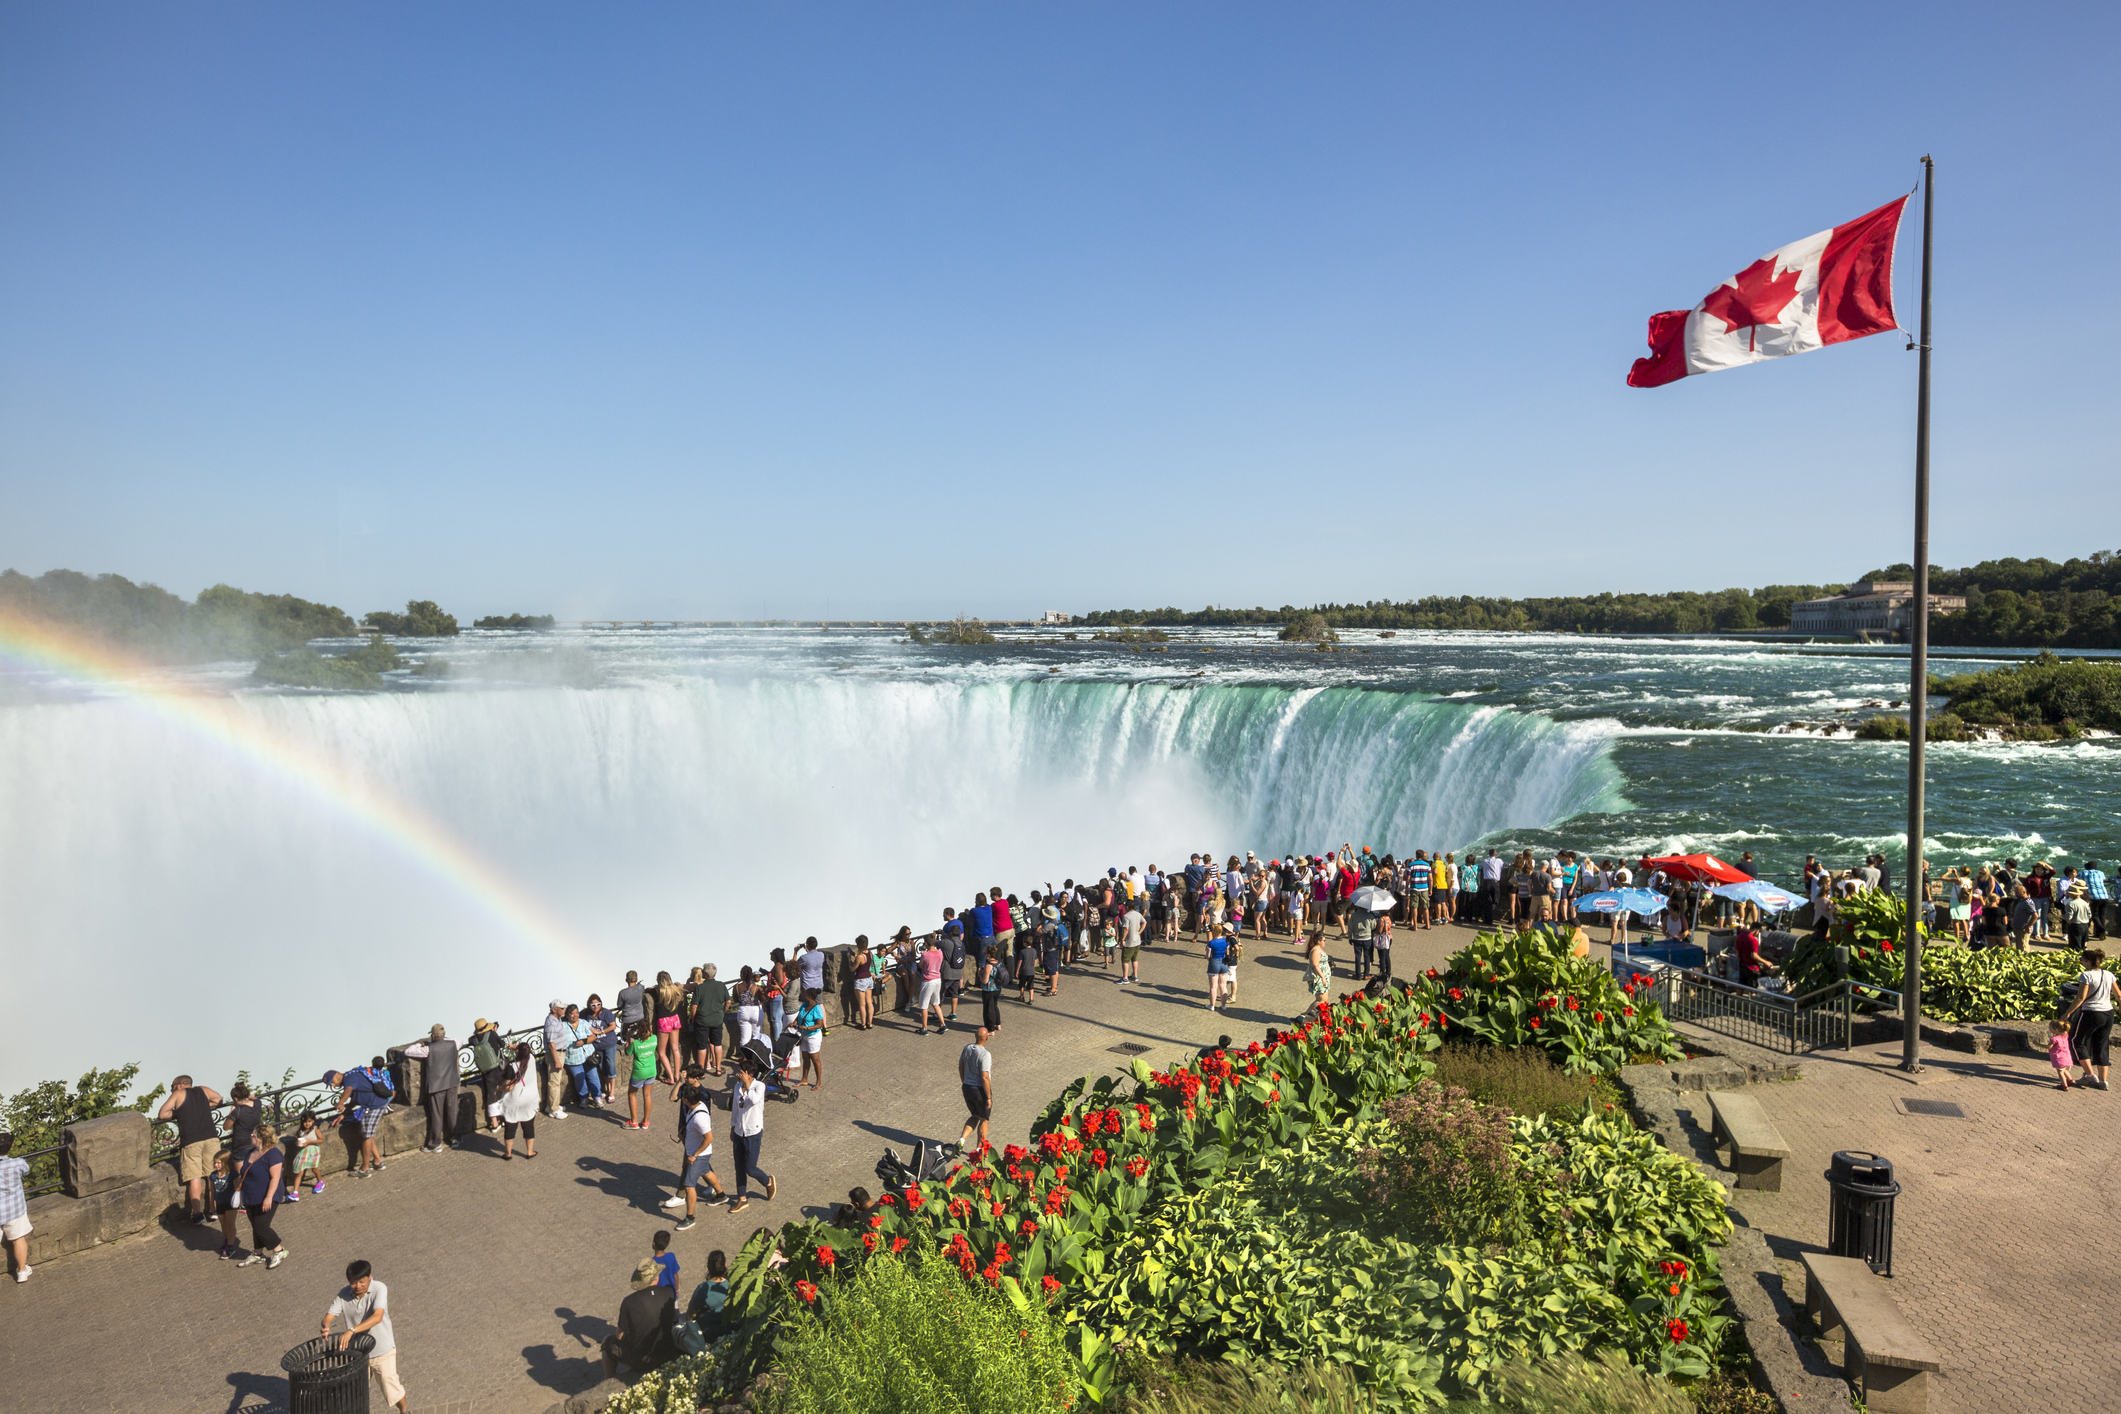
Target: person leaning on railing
[[489, 1054], [191, 1108]]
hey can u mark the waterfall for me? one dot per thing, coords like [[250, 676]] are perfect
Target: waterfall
[[203, 914]]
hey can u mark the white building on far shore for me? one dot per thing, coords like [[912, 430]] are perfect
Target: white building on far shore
[[1873, 606], [1055, 616]]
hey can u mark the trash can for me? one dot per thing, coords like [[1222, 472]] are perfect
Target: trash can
[[323, 1379], [1860, 1208]]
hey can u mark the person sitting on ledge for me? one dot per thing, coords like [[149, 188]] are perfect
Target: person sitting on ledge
[[642, 1341]]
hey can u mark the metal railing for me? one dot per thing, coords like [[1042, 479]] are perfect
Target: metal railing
[[1771, 1020], [282, 1108]]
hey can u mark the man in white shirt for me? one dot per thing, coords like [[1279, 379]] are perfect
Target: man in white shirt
[[747, 1132], [558, 1037], [697, 1141], [1130, 945], [364, 1304]]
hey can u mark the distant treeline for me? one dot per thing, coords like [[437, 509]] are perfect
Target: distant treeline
[[2010, 603], [144, 621], [2046, 699], [1730, 610], [514, 621]]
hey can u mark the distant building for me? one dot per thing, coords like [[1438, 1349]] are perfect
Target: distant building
[[1874, 606], [1055, 616]]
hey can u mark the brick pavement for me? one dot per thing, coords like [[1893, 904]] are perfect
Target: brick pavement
[[504, 1277], [1996, 1257]]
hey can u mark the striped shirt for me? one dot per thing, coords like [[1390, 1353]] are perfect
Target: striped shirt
[[2095, 883], [13, 1206], [1418, 876]]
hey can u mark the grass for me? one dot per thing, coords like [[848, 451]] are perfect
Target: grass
[[1521, 1080]]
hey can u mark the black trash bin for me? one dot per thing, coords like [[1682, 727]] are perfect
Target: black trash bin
[[1860, 1208], [323, 1379]]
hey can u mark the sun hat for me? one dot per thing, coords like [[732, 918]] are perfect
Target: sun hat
[[646, 1275], [558, 1005], [1050, 911], [482, 1024]]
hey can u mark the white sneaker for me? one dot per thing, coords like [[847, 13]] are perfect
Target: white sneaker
[[678, 1201], [23, 1275]]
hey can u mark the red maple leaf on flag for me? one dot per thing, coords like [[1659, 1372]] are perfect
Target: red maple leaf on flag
[[1759, 296]]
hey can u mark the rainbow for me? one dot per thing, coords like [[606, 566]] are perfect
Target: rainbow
[[477, 881]]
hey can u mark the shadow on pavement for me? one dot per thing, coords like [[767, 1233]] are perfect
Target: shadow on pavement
[[252, 1393], [643, 1185]]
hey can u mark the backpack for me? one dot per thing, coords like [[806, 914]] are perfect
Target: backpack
[[685, 1335], [954, 956]]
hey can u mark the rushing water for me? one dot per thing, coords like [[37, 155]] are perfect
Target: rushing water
[[670, 796]]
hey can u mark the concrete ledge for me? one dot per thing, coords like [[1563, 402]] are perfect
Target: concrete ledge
[[59, 1224], [1801, 1379]]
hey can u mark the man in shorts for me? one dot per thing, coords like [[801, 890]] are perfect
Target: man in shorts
[[930, 973], [710, 1003], [696, 1139], [363, 1304], [191, 1108], [14, 1206], [975, 1073], [1130, 944], [364, 1097]]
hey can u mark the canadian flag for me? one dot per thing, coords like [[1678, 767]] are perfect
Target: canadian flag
[[1824, 289]]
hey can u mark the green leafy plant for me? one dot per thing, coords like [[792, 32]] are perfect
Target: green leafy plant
[[1973, 985], [908, 1332], [37, 1115], [1526, 990]]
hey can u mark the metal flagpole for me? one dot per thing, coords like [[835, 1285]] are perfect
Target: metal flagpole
[[1919, 663]]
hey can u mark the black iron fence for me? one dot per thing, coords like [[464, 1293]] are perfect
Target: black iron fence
[[1769, 1019], [281, 1108]]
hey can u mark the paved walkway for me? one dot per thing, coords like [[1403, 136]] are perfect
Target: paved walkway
[[504, 1278], [2001, 1250]]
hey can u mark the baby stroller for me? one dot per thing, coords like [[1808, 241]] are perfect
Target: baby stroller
[[929, 1163], [771, 1065]]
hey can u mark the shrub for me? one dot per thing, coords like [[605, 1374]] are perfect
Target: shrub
[[356, 669], [908, 1332], [1959, 984], [1726, 1393], [1574, 1384], [37, 1115], [423, 618], [1524, 1081], [963, 631], [1526, 990], [1228, 1387], [1447, 1168], [1309, 628]]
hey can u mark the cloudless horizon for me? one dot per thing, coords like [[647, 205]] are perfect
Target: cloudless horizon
[[744, 311]]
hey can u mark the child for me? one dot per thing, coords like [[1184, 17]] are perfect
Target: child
[[1108, 944], [2058, 1051], [308, 1159], [1383, 943], [228, 1199], [666, 1264]]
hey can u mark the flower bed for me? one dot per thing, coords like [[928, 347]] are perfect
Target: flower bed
[[1195, 1210], [1959, 984]]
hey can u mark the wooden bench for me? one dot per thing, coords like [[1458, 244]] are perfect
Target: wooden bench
[[1886, 1354], [1757, 1147]]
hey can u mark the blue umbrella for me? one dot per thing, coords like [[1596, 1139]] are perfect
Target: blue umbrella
[[1766, 895], [1623, 900]]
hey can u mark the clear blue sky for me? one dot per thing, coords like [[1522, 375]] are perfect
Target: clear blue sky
[[728, 310]]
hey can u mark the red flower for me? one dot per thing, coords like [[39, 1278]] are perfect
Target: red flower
[[1676, 1329], [1273, 1096], [913, 1195], [869, 1241], [805, 1290], [1137, 1166], [1627, 1011], [1598, 1016], [898, 1244], [1432, 972], [1099, 1157], [1029, 1228], [1673, 1269], [1145, 1117], [1048, 1285], [1887, 946], [995, 1210], [1575, 1005], [1675, 1289], [876, 1220], [1056, 1200], [1535, 1022], [1457, 995], [826, 1256]]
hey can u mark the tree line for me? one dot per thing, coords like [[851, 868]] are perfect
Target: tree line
[[2010, 603]]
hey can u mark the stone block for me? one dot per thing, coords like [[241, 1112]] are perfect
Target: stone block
[[97, 1155], [593, 1399], [60, 1224]]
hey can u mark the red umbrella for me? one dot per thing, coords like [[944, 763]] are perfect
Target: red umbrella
[[1698, 869]]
